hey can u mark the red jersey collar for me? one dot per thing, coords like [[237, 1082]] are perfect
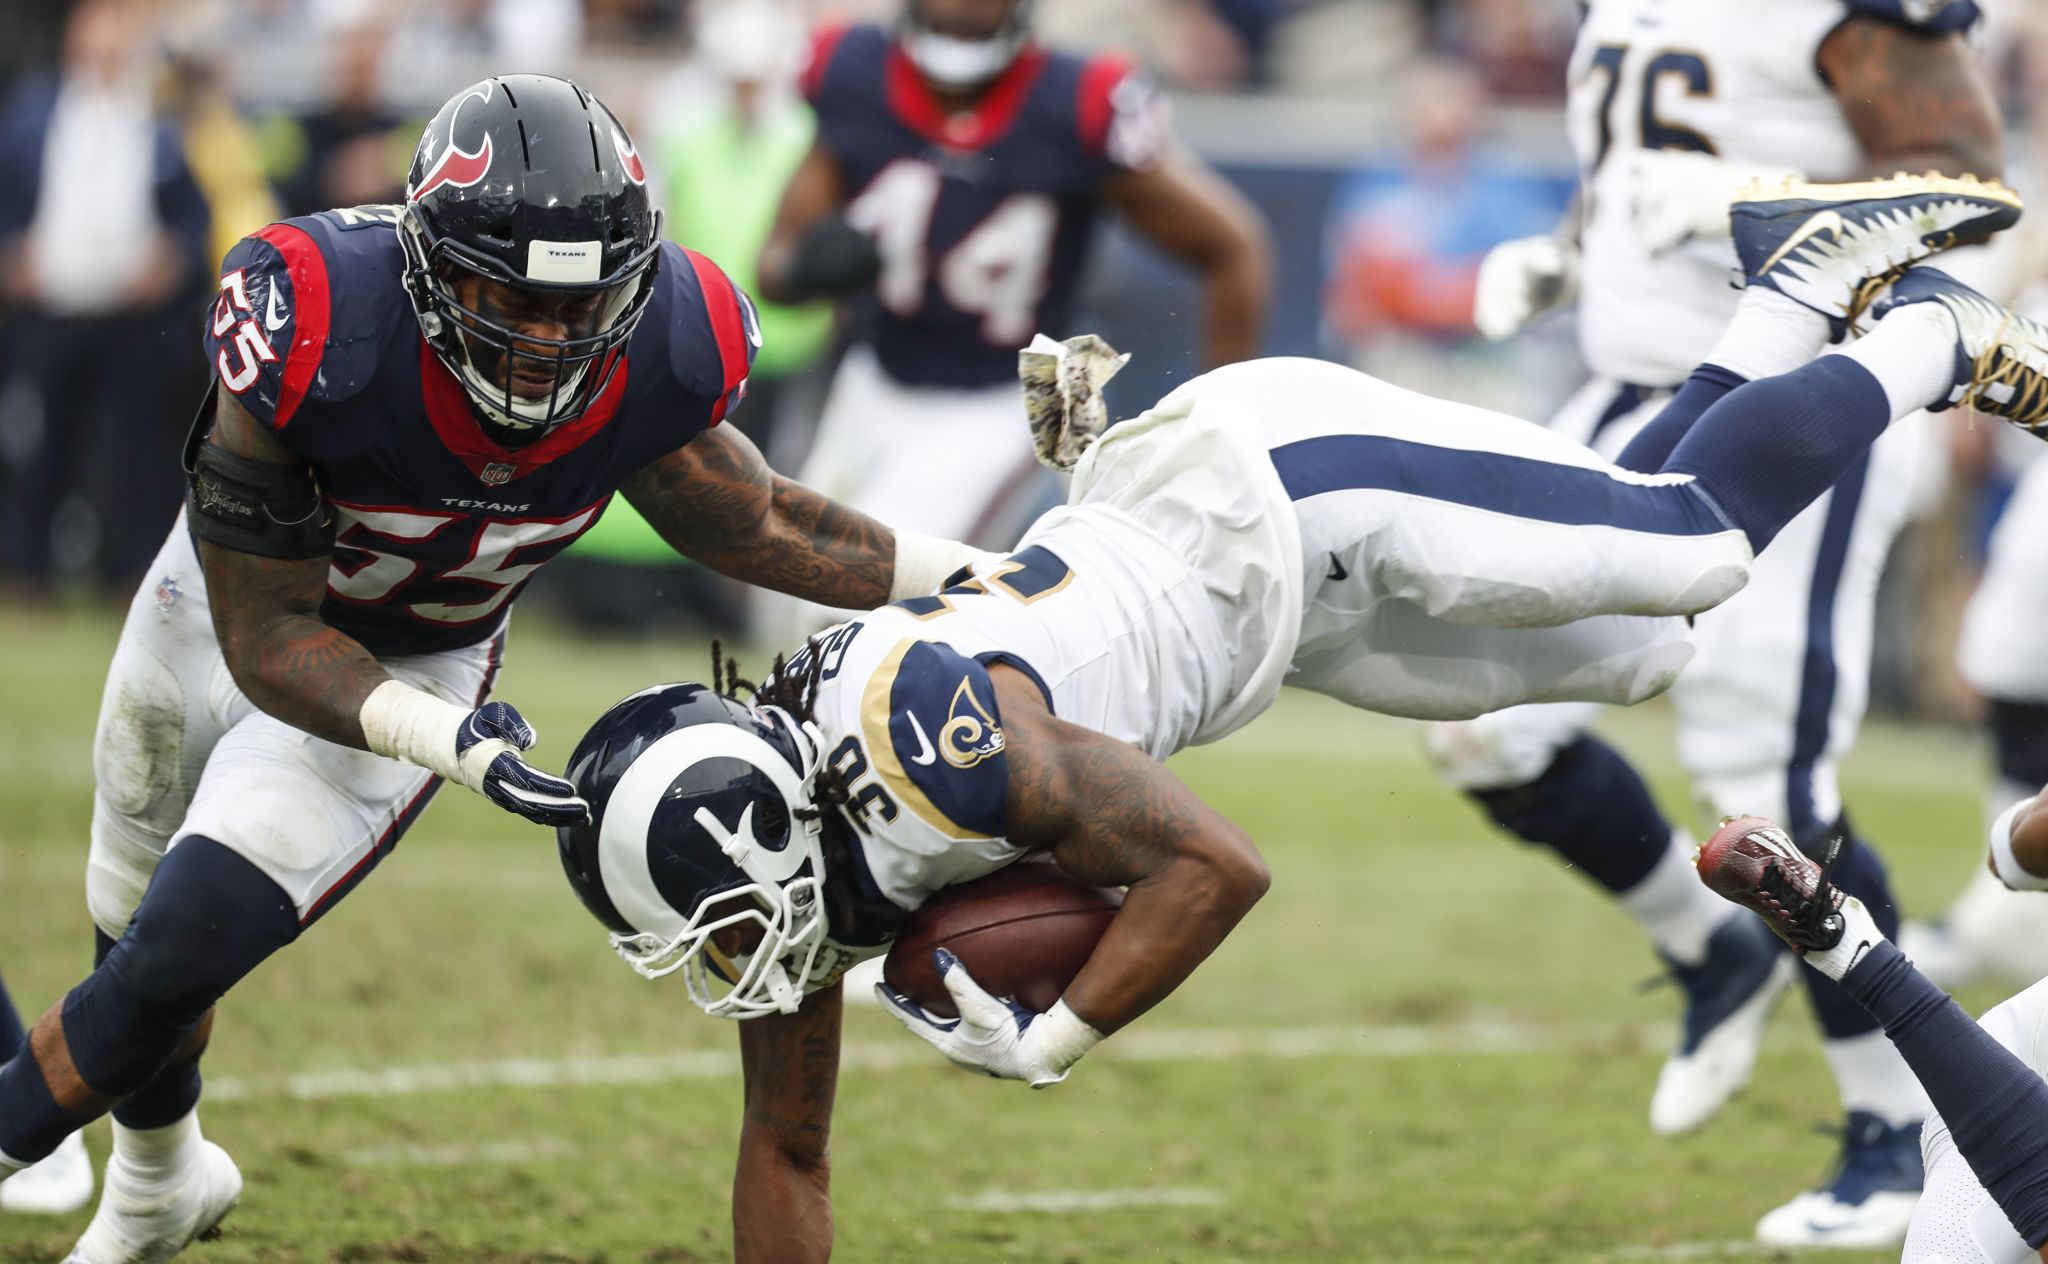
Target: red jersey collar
[[495, 465], [912, 101]]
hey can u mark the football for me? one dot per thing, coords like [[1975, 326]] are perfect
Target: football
[[1023, 932]]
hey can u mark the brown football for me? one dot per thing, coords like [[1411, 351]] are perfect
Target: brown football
[[1023, 932]]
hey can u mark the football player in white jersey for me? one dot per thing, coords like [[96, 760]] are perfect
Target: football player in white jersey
[[1671, 104], [1278, 520]]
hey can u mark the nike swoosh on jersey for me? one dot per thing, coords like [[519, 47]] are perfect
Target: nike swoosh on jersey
[[1820, 221], [1337, 571], [273, 318], [925, 754]]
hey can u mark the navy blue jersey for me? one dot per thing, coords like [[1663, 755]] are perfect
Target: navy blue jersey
[[439, 525], [981, 219]]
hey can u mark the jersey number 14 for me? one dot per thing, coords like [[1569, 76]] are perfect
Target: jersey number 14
[[997, 271]]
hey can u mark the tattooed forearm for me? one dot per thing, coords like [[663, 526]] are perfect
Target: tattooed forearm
[[1916, 101], [716, 501], [292, 665], [1112, 815]]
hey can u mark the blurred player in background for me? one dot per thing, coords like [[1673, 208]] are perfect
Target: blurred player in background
[[1671, 108], [1278, 521], [416, 407], [954, 182]]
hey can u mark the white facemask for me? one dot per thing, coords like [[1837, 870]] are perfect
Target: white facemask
[[959, 63]]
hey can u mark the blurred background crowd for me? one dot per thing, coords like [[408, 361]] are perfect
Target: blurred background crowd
[[1388, 143]]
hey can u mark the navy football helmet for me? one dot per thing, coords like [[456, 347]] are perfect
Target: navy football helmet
[[702, 820], [954, 59], [529, 182]]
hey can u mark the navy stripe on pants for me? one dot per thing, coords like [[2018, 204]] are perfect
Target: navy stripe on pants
[[1568, 495]]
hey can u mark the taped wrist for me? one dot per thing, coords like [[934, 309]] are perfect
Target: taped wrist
[[401, 722], [924, 562], [1063, 1038], [2003, 862], [256, 507]]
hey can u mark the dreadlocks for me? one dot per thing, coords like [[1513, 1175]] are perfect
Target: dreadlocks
[[792, 685]]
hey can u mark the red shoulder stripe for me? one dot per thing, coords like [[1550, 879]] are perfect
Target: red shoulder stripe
[[722, 305], [1099, 79], [824, 43], [309, 315]]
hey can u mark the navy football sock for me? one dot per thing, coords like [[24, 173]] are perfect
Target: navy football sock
[[1652, 445], [12, 1038], [1859, 871], [1590, 807], [1769, 449], [1996, 1107], [175, 1090]]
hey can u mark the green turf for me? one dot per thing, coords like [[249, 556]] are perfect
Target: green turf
[[1398, 927]]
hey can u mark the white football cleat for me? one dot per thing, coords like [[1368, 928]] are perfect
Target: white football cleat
[[1729, 999], [149, 1221], [1869, 1201], [58, 1184]]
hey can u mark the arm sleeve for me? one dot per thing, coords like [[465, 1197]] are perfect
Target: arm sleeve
[[266, 330]]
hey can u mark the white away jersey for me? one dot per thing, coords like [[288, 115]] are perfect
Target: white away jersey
[[1164, 631], [1734, 78]]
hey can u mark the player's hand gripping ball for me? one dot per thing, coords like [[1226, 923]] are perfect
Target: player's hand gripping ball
[[1023, 932]]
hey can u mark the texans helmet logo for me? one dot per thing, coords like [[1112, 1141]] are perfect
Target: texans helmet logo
[[629, 157], [458, 167]]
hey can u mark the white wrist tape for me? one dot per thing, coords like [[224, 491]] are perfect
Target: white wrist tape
[[1063, 1039], [2003, 862], [401, 722], [924, 561]]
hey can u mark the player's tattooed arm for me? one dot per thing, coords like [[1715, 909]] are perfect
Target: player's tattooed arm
[[1916, 100], [716, 501], [1112, 815], [266, 614], [1187, 210], [781, 1194]]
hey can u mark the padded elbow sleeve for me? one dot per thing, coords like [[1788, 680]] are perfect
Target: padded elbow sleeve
[[255, 507]]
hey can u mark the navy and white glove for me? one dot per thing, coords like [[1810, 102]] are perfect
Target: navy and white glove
[[479, 749], [995, 1036], [487, 750]]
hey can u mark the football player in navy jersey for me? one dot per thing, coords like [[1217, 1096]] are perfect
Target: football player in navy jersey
[[416, 407], [956, 175]]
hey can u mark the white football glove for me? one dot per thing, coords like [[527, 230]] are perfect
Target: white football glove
[[995, 1036], [1677, 196], [1520, 280]]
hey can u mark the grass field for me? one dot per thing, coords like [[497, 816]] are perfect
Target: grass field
[[1425, 1045]]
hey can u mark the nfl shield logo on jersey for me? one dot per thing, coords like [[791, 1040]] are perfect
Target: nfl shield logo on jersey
[[496, 474]]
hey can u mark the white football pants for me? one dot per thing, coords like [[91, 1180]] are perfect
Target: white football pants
[[1780, 676], [180, 750]]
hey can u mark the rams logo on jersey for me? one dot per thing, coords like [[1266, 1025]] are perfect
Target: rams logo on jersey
[[930, 724], [970, 734]]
